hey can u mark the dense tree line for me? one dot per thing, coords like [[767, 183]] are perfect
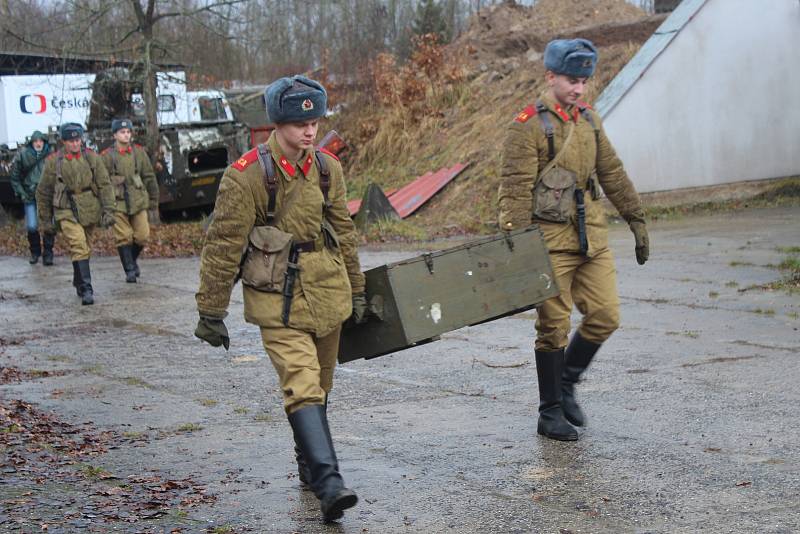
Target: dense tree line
[[223, 40]]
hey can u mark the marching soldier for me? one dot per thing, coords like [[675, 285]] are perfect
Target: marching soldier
[[76, 192], [136, 191], [556, 161], [26, 171], [284, 204]]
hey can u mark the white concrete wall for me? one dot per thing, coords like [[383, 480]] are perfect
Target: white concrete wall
[[721, 103]]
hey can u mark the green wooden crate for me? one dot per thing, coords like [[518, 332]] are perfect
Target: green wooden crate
[[426, 296]]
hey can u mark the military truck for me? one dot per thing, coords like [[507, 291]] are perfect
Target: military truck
[[198, 134]]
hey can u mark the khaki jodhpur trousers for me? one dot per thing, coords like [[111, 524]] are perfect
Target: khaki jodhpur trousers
[[77, 239], [591, 285], [304, 363], [131, 228]]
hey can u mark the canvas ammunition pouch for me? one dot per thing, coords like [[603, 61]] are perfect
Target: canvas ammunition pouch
[[120, 182], [84, 204], [266, 259], [554, 194], [554, 191], [60, 200]]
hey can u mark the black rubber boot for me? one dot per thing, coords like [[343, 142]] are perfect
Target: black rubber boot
[[302, 468], [311, 433], [549, 366], [87, 293], [36, 247], [136, 249], [577, 358], [48, 240], [76, 279], [126, 257]]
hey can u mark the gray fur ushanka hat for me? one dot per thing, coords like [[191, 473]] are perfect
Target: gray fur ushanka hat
[[571, 57], [295, 99]]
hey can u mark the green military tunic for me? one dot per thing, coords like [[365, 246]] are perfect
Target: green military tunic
[[327, 278], [85, 179], [129, 168], [526, 155]]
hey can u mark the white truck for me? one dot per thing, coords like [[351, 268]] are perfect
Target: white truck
[[43, 102], [198, 133]]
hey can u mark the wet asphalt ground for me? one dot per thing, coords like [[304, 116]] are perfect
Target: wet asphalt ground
[[692, 405]]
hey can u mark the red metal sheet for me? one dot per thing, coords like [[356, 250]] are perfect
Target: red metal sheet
[[353, 206], [411, 197]]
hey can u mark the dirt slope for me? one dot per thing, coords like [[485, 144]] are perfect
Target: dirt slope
[[501, 57]]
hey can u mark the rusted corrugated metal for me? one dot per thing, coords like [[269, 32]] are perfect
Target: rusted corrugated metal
[[410, 198], [353, 206]]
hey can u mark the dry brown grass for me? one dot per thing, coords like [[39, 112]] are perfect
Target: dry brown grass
[[392, 145]]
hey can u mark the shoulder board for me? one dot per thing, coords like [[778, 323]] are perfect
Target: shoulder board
[[525, 114], [106, 151], [583, 104], [328, 152], [247, 159], [52, 155], [137, 145], [89, 150]]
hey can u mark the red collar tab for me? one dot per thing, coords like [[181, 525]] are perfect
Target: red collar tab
[[561, 113], [288, 167], [125, 150], [71, 156], [307, 165], [526, 114]]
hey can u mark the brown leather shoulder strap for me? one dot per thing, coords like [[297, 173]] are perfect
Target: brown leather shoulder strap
[[60, 166], [324, 176], [270, 182], [544, 117]]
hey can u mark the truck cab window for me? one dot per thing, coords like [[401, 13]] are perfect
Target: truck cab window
[[166, 103], [211, 109]]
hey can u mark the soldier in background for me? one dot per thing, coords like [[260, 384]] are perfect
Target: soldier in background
[[557, 160], [75, 191], [284, 203], [26, 171], [136, 191]]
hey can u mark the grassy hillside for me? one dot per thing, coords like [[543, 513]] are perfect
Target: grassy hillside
[[501, 72]]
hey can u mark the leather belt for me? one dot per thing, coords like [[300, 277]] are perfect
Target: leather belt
[[306, 246], [315, 245]]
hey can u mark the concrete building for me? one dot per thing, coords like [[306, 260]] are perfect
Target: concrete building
[[711, 97]]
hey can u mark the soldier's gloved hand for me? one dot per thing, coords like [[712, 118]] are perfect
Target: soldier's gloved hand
[[213, 332], [360, 308], [642, 241], [107, 219]]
